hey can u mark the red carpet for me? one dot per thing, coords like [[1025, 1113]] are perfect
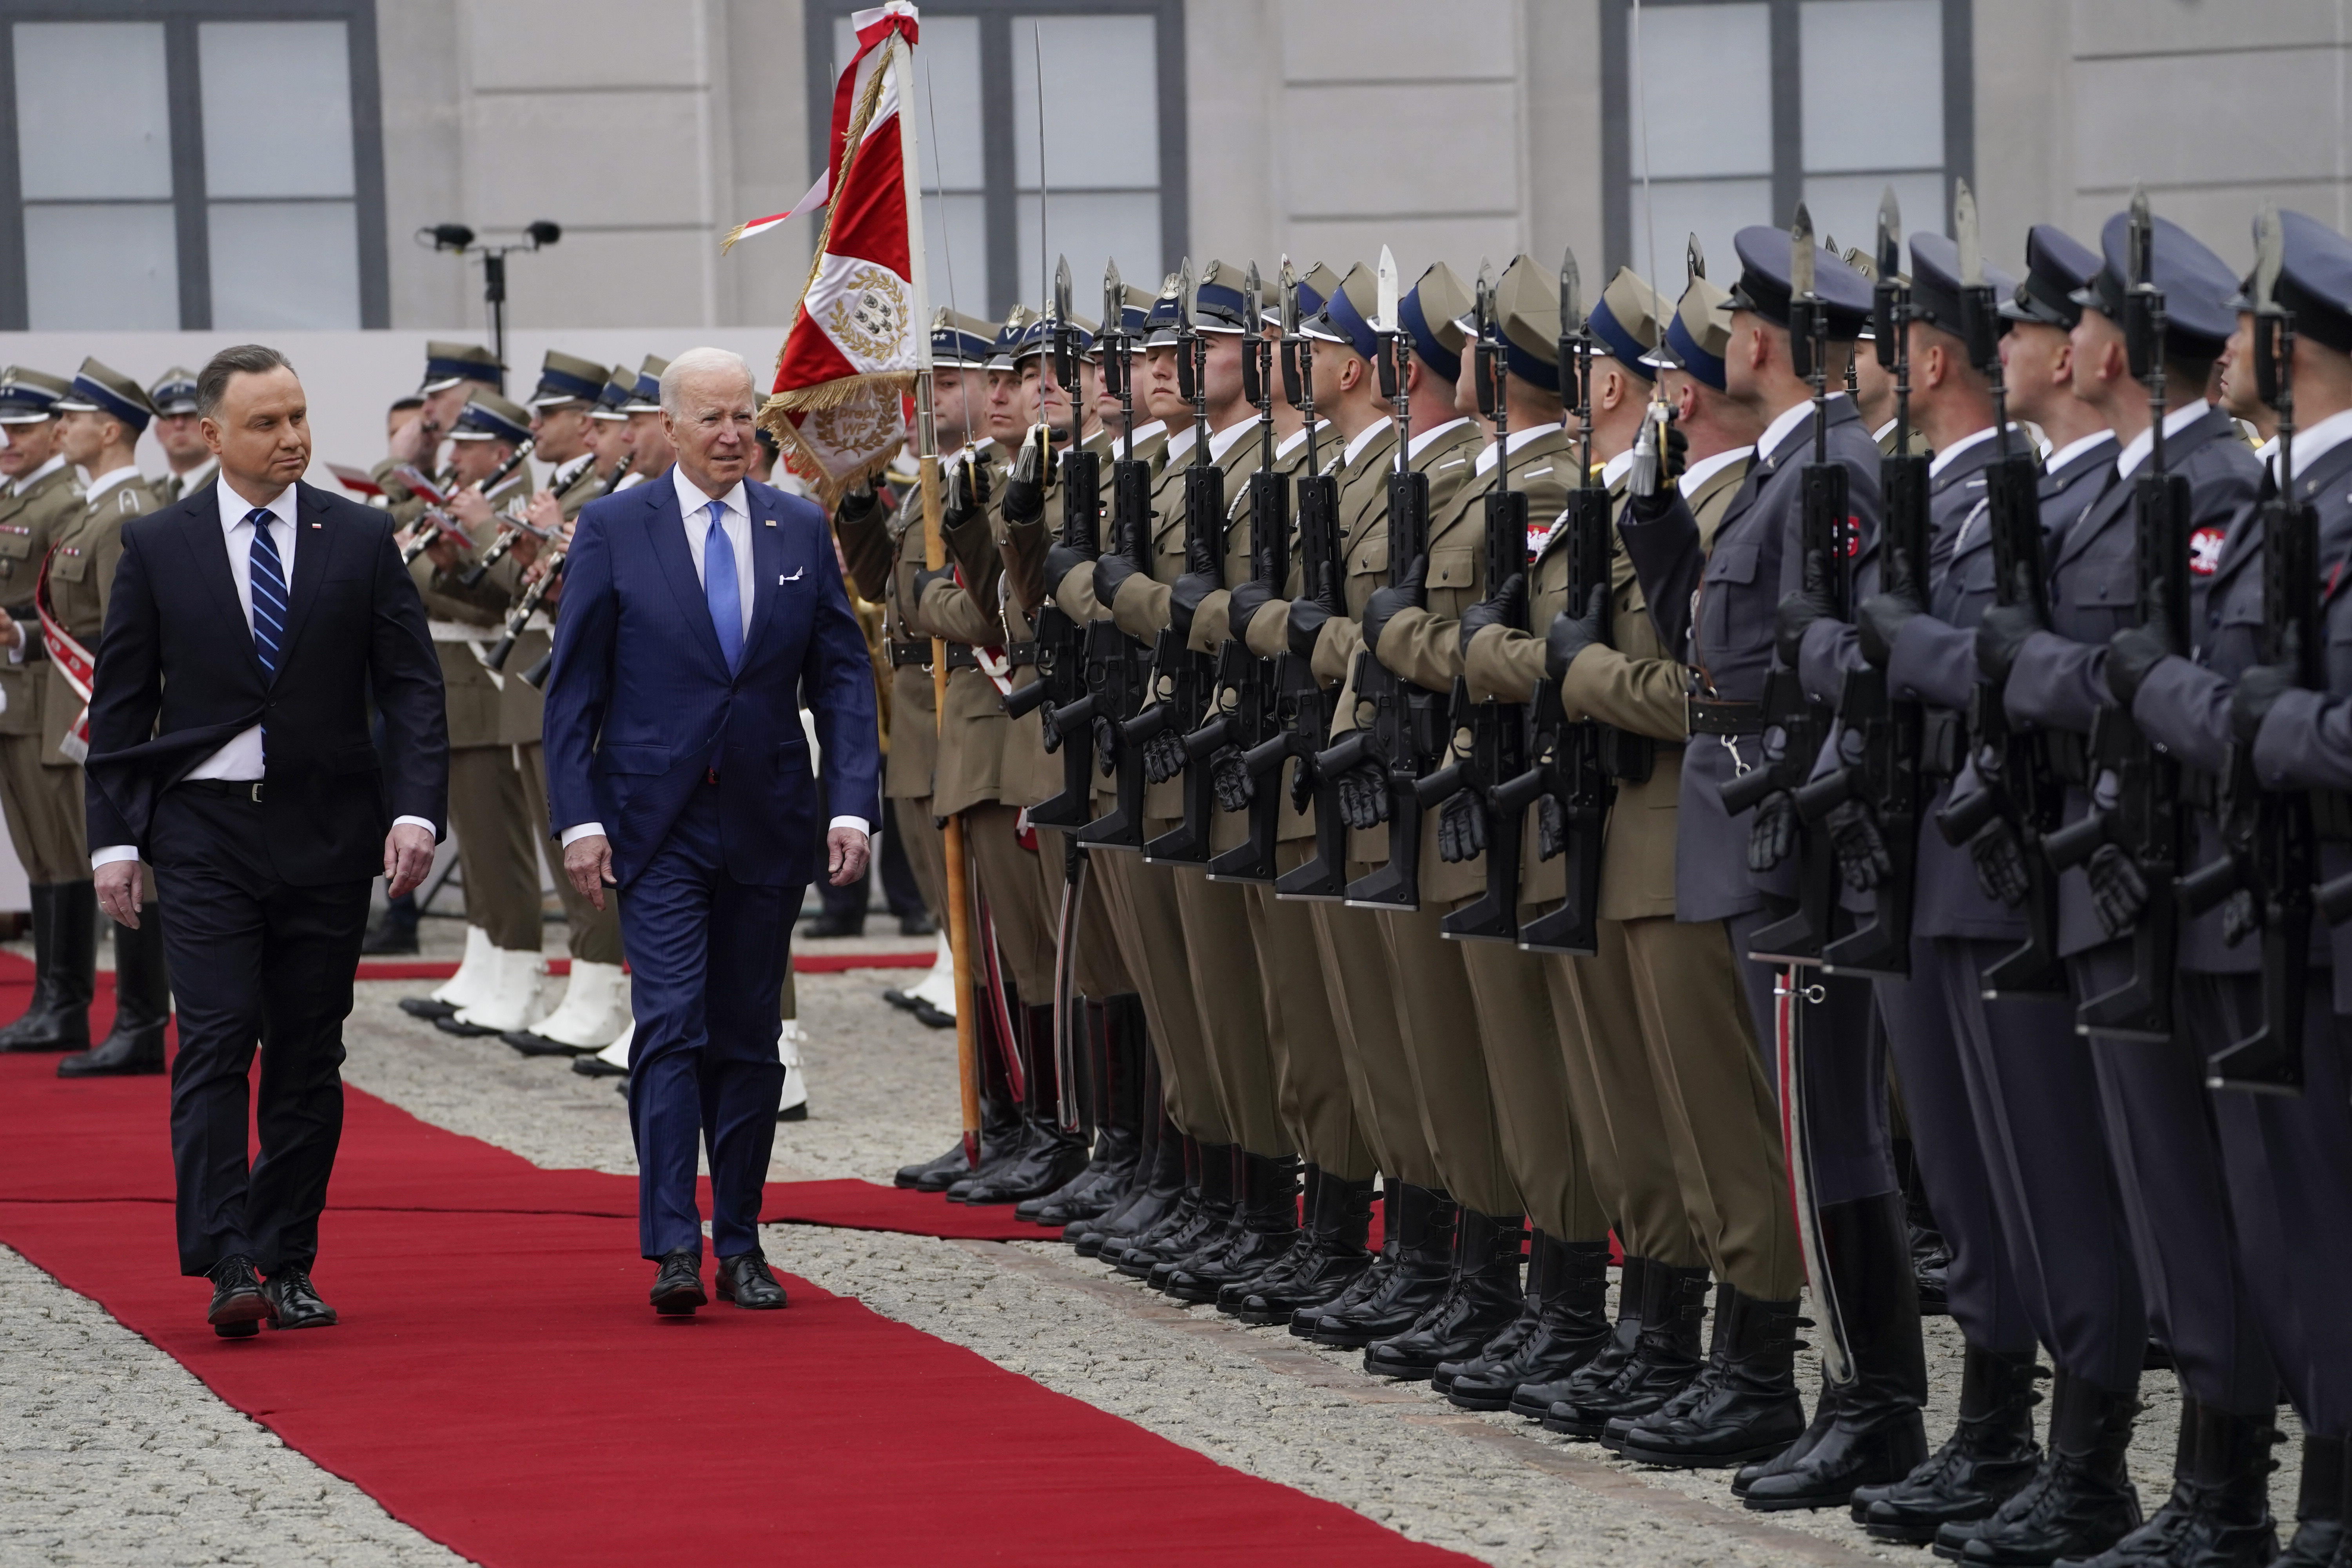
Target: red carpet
[[499, 1382]]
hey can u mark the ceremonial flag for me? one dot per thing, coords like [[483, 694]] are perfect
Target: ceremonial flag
[[838, 408]]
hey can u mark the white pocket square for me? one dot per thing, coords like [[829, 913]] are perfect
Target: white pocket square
[[798, 573]]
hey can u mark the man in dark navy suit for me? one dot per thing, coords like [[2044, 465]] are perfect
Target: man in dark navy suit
[[250, 627], [698, 610]]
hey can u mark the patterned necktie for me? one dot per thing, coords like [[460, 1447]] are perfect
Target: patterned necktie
[[719, 588], [268, 578]]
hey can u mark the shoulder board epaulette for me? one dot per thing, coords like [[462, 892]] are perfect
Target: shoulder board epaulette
[[125, 501]]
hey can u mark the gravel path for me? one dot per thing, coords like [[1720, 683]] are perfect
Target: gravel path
[[122, 1456]]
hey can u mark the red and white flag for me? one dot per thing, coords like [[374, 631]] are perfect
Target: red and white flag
[[839, 404]]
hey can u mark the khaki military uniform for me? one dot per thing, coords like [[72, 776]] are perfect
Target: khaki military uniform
[[174, 488], [495, 851], [1694, 1090], [44, 805], [87, 548]]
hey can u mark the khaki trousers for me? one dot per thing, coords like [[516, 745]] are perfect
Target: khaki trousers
[[44, 807], [1719, 1114], [1139, 901], [1312, 1090], [1360, 991], [1005, 875], [926, 852], [495, 852], [1534, 1111], [594, 935], [1238, 1024], [1430, 989], [1099, 970]]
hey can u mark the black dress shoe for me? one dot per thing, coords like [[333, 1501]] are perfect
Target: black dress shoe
[[917, 925], [594, 1066], [953, 1159], [532, 1045], [826, 926], [238, 1305], [451, 1026], [745, 1280], [389, 935], [294, 1301], [932, 1018], [677, 1287], [426, 1008], [903, 1000]]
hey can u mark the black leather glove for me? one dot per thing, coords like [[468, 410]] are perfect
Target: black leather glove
[[1163, 756], [1461, 827], [1881, 619], [1302, 787], [1773, 834], [930, 574], [1507, 606], [1186, 597], [967, 495], [2241, 917], [1999, 860], [1570, 635], [2135, 650], [1229, 776], [2118, 891], [1386, 602], [2260, 686], [1860, 847], [1363, 795], [1551, 827], [1110, 571], [1060, 562], [2000, 638], [1107, 745], [1243, 603], [1307, 619], [1033, 470], [857, 505], [1801, 609]]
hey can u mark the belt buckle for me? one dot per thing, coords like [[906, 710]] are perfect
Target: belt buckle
[[255, 794]]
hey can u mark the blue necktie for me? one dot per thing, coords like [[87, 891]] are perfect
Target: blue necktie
[[269, 579], [719, 589]]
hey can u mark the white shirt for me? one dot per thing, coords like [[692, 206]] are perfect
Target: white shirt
[[101, 483], [2074, 449], [2129, 460], [1291, 443], [2314, 443], [1615, 468], [1363, 438], [1419, 443], [1706, 468], [1487, 457], [1767, 445], [26, 481], [1943, 460], [694, 512], [242, 757]]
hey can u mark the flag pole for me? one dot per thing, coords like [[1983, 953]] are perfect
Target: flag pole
[[926, 453]]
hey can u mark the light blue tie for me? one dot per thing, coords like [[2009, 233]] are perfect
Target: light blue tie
[[719, 589]]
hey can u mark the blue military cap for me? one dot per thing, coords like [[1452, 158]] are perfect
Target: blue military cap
[[1764, 287], [1314, 291], [613, 402], [487, 417], [29, 396], [1697, 334], [1935, 281], [1625, 321], [1526, 309], [646, 396], [175, 392], [2056, 266], [1431, 313], [2196, 284], [97, 388], [1135, 315], [1008, 338], [1347, 313], [2315, 281], [1038, 337], [448, 364], [567, 378], [1219, 306], [960, 342]]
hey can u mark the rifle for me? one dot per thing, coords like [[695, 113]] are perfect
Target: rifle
[[1879, 735], [1303, 705], [1179, 677], [2013, 765], [1061, 685], [1822, 534], [1401, 741], [1497, 750], [436, 496], [2146, 820], [1573, 781], [2270, 840], [1247, 698], [1115, 679], [535, 594]]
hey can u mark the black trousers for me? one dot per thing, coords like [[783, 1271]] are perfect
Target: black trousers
[[255, 961]]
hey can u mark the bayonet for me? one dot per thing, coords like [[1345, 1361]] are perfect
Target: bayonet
[[1694, 259]]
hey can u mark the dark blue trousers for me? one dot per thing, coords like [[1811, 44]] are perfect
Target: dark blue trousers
[[1844, 1068], [707, 958]]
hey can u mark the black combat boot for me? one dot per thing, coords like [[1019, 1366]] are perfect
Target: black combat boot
[[1374, 1280], [2234, 1528], [65, 962], [1481, 1295], [1229, 1230], [2319, 1534], [1879, 1436], [1330, 1257], [1172, 1208], [1265, 1228], [1157, 1187], [1118, 1119], [1665, 1357], [1051, 1155], [1423, 1221], [1571, 1327], [1135, 1078], [2079, 1503], [1001, 1132], [1204, 1217], [1535, 1400], [1234, 1293], [1825, 1409], [142, 1007], [1745, 1406], [1991, 1455], [1513, 1335], [1931, 1254]]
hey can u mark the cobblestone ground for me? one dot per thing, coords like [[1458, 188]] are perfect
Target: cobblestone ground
[[117, 1455]]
